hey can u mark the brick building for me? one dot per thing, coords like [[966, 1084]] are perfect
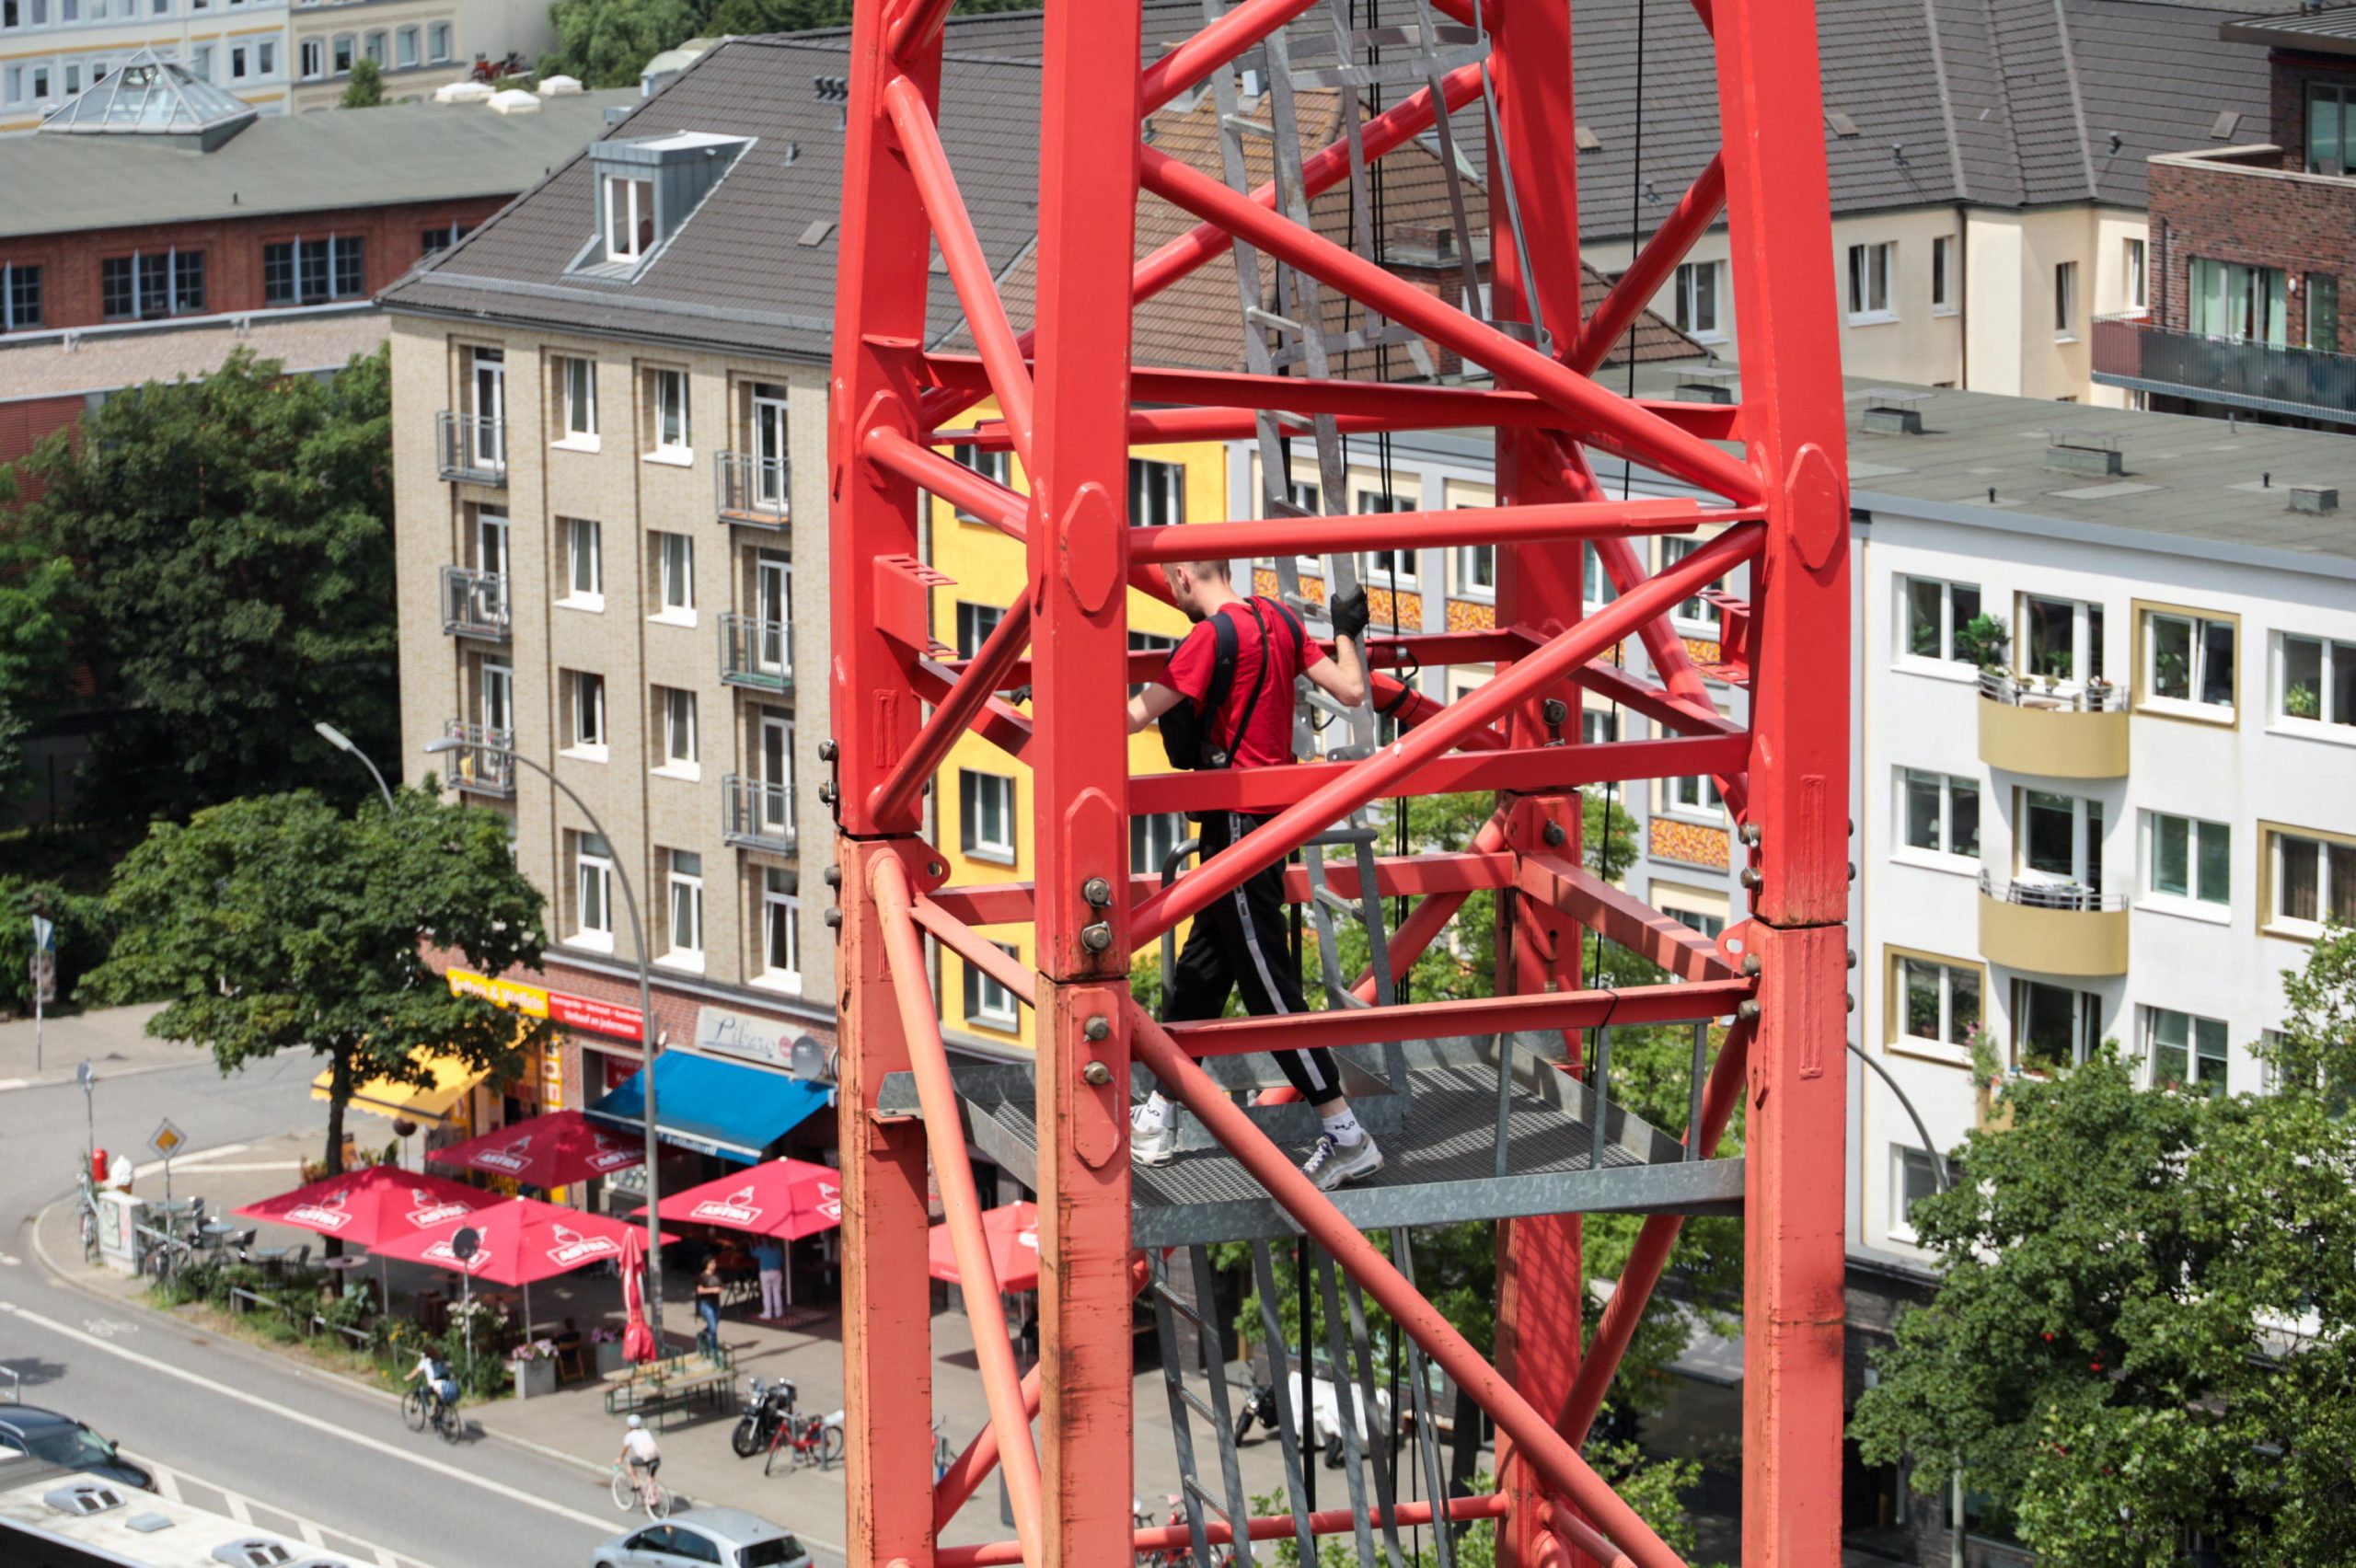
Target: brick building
[[2250, 246]]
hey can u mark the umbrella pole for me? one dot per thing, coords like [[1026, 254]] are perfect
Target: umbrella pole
[[467, 1310], [527, 1308]]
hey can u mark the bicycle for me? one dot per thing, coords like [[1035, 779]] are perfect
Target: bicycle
[[815, 1441], [420, 1410], [89, 1232], [628, 1492]]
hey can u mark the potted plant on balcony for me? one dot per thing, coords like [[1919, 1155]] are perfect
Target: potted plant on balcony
[[2301, 701], [1984, 640], [1987, 1078]]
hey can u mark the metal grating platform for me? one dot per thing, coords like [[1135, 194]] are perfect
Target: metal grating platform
[[1442, 1154]]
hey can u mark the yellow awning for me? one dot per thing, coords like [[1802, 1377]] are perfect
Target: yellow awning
[[452, 1079]]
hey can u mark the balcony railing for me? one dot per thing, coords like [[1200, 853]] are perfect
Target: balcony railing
[[2030, 691], [755, 652], [473, 447], [752, 489], [2072, 896], [758, 813], [2130, 351], [475, 768], [474, 604]]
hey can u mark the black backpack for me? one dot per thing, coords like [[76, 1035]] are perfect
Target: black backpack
[[1190, 735]]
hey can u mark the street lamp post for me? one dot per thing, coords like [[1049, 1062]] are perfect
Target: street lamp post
[[342, 743], [648, 1040]]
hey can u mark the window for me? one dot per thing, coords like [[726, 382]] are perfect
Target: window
[[1697, 301], [1394, 568], [593, 890], [405, 49], [1476, 571], [780, 929], [666, 403], [986, 805], [2065, 299], [1870, 268], [437, 42], [585, 696], [2242, 303], [1943, 279], [1599, 726], [20, 302], [2053, 1026], [1937, 616], [199, 64], [1694, 796], [2189, 658], [974, 624], [433, 241], [683, 884], [2318, 680], [629, 218], [266, 58], [2185, 1051], [1151, 840], [987, 1001], [2061, 840], [375, 47], [148, 286], [345, 49], [1600, 588], [674, 568], [237, 58], [1156, 493], [1695, 614], [1149, 642], [1941, 812], [677, 712], [2133, 286], [584, 566], [1709, 925], [2331, 128], [12, 82], [2061, 637], [310, 271], [1914, 1177], [2323, 312], [996, 467], [2190, 859], [1938, 1003], [576, 386], [2314, 881]]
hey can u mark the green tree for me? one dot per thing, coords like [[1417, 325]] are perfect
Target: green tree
[[2316, 1047], [366, 87], [606, 44], [234, 537], [278, 923], [38, 619], [2145, 1326]]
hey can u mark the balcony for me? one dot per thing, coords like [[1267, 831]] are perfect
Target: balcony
[[753, 490], [757, 653], [2131, 351], [474, 604], [2053, 733], [756, 814], [473, 448], [2053, 927], [474, 768]]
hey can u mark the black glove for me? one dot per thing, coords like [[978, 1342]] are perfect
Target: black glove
[[1350, 614]]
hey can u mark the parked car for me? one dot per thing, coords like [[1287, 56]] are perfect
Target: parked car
[[63, 1441], [729, 1537]]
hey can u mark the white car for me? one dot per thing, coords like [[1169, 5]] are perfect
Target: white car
[[728, 1537]]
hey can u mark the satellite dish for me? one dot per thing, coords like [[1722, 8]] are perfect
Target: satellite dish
[[810, 1060], [465, 1244]]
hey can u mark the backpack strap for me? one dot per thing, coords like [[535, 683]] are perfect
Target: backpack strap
[[1259, 680], [1292, 624], [1223, 655]]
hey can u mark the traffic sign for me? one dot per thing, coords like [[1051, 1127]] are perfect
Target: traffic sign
[[168, 1140], [44, 934], [83, 1076], [465, 1244]]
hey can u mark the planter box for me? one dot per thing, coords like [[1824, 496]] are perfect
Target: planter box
[[534, 1378], [610, 1357]]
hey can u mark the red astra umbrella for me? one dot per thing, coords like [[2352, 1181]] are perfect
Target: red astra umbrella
[[785, 1198], [1012, 1234], [638, 1340], [522, 1240], [554, 1150], [372, 1208]]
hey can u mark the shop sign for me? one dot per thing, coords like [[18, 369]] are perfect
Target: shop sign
[[584, 1013], [723, 1033]]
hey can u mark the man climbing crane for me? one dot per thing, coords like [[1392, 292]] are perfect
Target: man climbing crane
[[1226, 700]]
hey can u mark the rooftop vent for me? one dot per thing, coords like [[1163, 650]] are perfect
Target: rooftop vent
[[2085, 452], [835, 90], [80, 1498], [1588, 140], [2315, 500], [514, 100], [2222, 129], [464, 92], [1894, 410], [817, 232], [1843, 126], [253, 1551], [560, 87]]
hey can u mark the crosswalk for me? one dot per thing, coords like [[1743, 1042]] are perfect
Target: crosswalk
[[179, 1486]]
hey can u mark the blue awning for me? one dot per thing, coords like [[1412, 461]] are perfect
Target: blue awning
[[715, 1107]]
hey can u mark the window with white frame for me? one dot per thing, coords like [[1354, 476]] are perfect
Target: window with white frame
[[674, 570], [312, 271], [2318, 680], [2188, 858], [988, 1003], [1697, 301], [149, 285], [593, 890], [1476, 571], [2053, 1026], [1937, 614], [1943, 278], [2189, 659], [986, 809], [2061, 841], [1694, 795], [1914, 1176], [1693, 920], [1156, 493], [405, 49], [668, 434], [1600, 588], [676, 711], [239, 61], [346, 49], [2059, 638], [2185, 1051], [780, 929], [576, 386], [2314, 881], [1938, 1004], [682, 881], [1599, 726], [1872, 269], [585, 711], [1696, 613], [1390, 569], [1152, 837], [996, 467], [1941, 812], [584, 565], [2065, 299], [437, 42], [375, 47], [974, 624], [2133, 285], [266, 58], [629, 218]]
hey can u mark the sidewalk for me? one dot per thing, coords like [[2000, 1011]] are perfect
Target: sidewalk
[[112, 1040]]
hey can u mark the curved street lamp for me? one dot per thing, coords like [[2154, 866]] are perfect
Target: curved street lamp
[[342, 743], [648, 1045]]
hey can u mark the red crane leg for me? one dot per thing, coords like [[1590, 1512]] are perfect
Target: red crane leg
[[1260, 1526]]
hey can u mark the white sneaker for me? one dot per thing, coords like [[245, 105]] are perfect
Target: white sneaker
[[1331, 1164], [1151, 1143]]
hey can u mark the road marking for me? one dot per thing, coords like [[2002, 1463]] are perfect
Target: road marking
[[385, 1559], [106, 1328], [10, 1259], [204, 1156], [237, 1509], [6, 1084], [308, 1531], [167, 1485], [243, 1165], [230, 1391]]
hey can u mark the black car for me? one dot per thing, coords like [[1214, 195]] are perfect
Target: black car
[[63, 1441]]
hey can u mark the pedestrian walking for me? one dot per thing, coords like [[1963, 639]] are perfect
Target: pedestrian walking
[[708, 1307], [768, 1256]]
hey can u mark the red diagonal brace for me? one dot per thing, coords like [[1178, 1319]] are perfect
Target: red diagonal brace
[[895, 798], [1696, 211]]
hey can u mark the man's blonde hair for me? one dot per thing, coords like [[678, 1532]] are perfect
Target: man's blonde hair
[[1203, 571]]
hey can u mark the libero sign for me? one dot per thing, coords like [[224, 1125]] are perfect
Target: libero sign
[[584, 1013]]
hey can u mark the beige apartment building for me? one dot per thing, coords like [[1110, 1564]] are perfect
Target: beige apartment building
[[419, 44]]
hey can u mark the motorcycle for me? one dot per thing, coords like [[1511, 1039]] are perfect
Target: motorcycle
[[766, 1407], [1259, 1405]]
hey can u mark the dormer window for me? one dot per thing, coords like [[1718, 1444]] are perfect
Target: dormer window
[[629, 218]]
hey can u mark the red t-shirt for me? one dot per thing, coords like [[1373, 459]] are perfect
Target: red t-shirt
[[1268, 742]]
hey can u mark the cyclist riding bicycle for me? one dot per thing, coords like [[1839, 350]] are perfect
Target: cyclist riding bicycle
[[640, 1455], [441, 1388]]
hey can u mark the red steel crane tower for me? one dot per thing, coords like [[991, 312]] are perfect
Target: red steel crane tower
[[1766, 484]]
